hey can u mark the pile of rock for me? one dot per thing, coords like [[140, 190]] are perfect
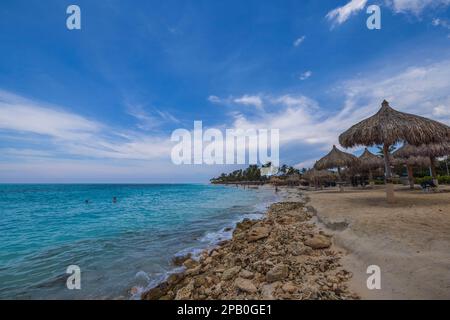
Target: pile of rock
[[280, 257]]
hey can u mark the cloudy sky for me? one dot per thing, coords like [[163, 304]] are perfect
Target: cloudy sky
[[99, 104]]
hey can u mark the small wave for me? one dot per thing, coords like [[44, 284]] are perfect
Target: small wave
[[151, 282], [209, 241]]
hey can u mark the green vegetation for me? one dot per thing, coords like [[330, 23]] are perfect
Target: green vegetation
[[253, 174], [441, 179]]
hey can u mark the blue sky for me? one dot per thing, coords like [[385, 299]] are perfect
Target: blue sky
[[99, 104]]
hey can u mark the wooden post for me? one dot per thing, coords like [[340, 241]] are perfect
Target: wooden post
[[410, 176], [371, 182], [446, 165], [389, 185], [433, 171], [341, 188]]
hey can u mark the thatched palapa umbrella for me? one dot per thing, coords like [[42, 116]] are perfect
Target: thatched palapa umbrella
[[293, 179], [276, 181], [388, 127], [317, 176], [336, 159], [407, 155], [369, 161], [430, 151]]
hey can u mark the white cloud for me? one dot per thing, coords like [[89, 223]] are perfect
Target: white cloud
[[55, 130], [441, 23], [415, 6], [305, 75], [245, 100], [422, 90], [342, 14], [294, 101], [150, 120], [299, 41], [249, 100], [442, 111], [308, 163], [19, 114], [214, 99]]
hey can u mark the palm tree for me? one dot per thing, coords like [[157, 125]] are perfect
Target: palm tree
[[380, 151]]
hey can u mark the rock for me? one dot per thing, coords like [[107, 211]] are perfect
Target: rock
[[318, 242], [199, 281], [258, 233], [174, 278], [245, 285], [217, 290], [277, 273], [289, 287], [267, 291], [306, 251], [244, 225], [194, 271], [230, 273], [185, 292], [300, 259], [189, 263], [155, 293], [178, 260], [246, 274], [134, 290], [301, 250]]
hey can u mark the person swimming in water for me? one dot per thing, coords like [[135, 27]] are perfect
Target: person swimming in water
[[114, 199]]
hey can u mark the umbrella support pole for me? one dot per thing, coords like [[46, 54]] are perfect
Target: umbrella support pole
[[371, 182], [388, 175], [390, 193], [341, 187], [433, 171], [410, 177]]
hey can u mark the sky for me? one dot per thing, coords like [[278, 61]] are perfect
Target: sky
[[100, 104]]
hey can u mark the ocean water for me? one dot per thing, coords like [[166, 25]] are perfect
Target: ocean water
[[130, 243]]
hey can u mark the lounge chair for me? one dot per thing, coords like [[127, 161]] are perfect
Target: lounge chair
[[428, 185]]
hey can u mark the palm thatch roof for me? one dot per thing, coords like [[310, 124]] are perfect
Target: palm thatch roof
[[412, 161], [405, 151], [389, 126], [336, 159], [294, 178], [426, 150], [419, 161], [370, 161], [314, 174], [275, 180]]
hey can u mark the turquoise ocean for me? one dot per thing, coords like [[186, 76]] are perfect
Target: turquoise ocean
[[117, 245]]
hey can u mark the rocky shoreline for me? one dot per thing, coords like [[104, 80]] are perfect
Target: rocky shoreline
[[283, 256]]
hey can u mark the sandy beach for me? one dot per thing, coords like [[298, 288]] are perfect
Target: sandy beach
[[318, 245], [408, 240]]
